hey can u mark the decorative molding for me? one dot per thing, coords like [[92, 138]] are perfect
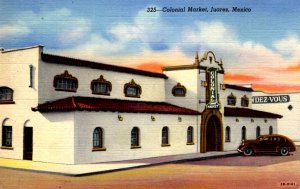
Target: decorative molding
[[68, 76], [232, 97], [179, 86], [101, 80], [132, 83], [95, 149], [244, 99]]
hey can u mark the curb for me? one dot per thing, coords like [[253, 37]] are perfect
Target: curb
[[124, 169]]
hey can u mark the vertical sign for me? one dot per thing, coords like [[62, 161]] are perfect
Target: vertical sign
[[213, 89]]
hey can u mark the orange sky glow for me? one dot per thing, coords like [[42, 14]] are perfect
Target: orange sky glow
[[240, 78]]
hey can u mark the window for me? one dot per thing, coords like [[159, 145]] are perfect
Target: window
[[98, 139], [135, 134], [132, 89], [231, 100], [257, 131], [6, 95], [7, 136], [179, 90], [244, 133], [30, 76], [270, 130], [227, 134], [65, 82], [190, 135], [165, 137], [101, 86], [245, 101]]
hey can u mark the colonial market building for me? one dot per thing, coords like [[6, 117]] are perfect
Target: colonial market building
[[72, 111]]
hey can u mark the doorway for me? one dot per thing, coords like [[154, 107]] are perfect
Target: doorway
[[27, 154], [213, 134]]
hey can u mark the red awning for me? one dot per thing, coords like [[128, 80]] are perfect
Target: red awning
[[246, 112], [113, 105]]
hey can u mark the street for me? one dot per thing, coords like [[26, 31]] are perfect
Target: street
[[261, 171]]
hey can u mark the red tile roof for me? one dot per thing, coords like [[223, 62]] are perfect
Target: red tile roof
[[55, 59], [113, 105], [237, 87], [246, 112]]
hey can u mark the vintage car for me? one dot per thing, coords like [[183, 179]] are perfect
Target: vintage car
[[273, 143]]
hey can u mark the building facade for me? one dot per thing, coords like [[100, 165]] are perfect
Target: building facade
[[65, 110]]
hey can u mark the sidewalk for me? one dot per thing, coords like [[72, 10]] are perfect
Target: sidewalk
[[98, 168]]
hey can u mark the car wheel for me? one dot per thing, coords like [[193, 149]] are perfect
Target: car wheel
[[284, 151], [248, 151]]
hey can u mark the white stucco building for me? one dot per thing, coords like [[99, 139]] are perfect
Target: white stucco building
[[65, 110]]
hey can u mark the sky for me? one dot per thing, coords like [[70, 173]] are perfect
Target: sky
[[261, 47]]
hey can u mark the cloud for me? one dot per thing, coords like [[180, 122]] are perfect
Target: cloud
[[289, 46], [7, 31], [57, 27], [149, 41]]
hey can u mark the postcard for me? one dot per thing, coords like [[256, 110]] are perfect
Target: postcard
[[149, 94]]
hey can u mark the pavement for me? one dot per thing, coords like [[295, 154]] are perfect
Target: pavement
[[106, 167]]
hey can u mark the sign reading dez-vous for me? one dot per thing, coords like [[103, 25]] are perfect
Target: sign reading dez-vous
[[270, 99]]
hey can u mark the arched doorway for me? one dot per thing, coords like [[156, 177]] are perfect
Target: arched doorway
[[211, 131], [213, 134]]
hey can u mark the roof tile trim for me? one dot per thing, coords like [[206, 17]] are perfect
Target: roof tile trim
[[237, 87], [112, 105], [49, 58], [246, 112]]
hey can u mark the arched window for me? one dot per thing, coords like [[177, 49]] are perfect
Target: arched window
[[6, 135], [165, 136], [101, 86], [65, 82], [270, 130], [231, 100], [135, 134], [179, 90], [6, 95], [227, 134], [257, 131], [132, 89], [245, 101], [244, 133], [98, 139], [190, 135]]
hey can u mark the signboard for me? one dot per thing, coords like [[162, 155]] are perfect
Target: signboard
[[213, 89], [270, 99]]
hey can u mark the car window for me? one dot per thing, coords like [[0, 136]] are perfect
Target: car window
[[266, 138]]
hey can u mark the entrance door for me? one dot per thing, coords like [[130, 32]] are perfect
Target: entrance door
[[213, 134], [27, 143]]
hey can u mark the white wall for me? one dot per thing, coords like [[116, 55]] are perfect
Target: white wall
[[152, 88], [238, 94], [236, 129], [187, 78], [117, 136], [289, 124], [53, 139], [14, 67]]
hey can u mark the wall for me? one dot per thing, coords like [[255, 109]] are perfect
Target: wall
[[289, 125], [152, 88], [117, 136], [54, 137], [236, 129], [14, 67], [187, 78]]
